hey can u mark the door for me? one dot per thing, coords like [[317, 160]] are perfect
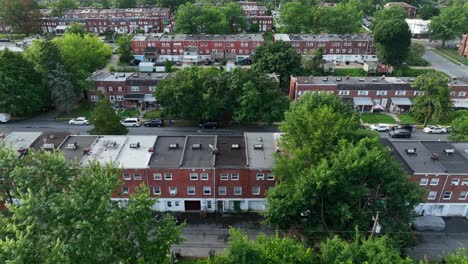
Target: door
[[384, 102], [220, 206], [192, 205]]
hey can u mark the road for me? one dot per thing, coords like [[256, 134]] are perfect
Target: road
[[442, 64]]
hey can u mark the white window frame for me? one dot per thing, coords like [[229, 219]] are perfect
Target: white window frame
[[111, 89], [94, 98], [156, 188], [239, 188], [464, 182], [222, 190], [434, 182], [207, 188], [189, 188], [463, 195], [382, 92], [260, 176], [363, 92], [400, 93], [127, 177], [173, 188], [120, 89], [432, 195], [449, 197], [194, 176], [125, 190], [270, 176], [204, 176], [343, 92], [234, 176], [157, 176], [255, 190], [455, 181], [224, 176], [168, 176], [424, 181], [135, 88], [462, 93], [137, 176]]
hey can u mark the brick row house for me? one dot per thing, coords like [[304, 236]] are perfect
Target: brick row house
[[122, 21], [257, 14], [126, 89], [195, 48], [340, 48], [463, 48], [370, 93], [186, 173]]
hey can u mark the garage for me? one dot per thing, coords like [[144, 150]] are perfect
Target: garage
[[256, 206], [192, 205], [456, 210]]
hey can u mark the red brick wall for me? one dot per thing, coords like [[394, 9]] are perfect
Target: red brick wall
[[441, 189]]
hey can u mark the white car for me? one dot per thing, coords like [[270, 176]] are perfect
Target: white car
[[79, 121], [131, 122], [4, 117], [435, 130], [380, 128]]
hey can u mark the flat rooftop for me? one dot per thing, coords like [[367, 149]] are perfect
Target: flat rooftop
[[135, 153], [17, 140], [146, 79], [322, 37], [166, 156], [201, 37], [368, 82], [198, 153], [105, 150], [76, 153], [261, 147], [231, 152], [110, 76], [50, 140]]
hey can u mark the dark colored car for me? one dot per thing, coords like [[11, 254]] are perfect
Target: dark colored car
[[177, 63], [210, 124], [400, 133], [5, 40], [154, 123], [403, 126], [207, 62]]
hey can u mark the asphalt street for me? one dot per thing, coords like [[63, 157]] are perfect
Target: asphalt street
[[440, 63]]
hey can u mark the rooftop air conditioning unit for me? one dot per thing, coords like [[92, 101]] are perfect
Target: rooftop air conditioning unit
[[112, 144], [135, 145], [173, 146], [48, 146], [361, 80], [235, 146], [258, 146], [196, 146], [72, 146], [449, 151], [411, 151]]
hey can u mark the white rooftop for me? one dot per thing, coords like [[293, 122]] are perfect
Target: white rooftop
[[134, 153], [261, 147], [16, 140], [105, 150]]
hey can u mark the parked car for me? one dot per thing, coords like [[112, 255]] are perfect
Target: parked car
[[380, 128], [131, 122], [4, 40], [209, 124], [177, 63], [400, 133], [154, 123], [207, 61], [435, 130], [246, 61], [79, 121], [403, 126], [4, 117]]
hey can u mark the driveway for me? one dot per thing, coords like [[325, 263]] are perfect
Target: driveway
[[441, 64]]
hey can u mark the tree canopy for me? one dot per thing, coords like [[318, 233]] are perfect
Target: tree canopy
[[23, 16], [105, 120], [459, 130], [451, 22], [125, 48], [393, 39]]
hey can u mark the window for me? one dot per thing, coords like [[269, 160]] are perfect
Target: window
[[416, 93], [432, 195], [464, 182], [111, 89], [125, 190], [204, 176], [94, 98], [363, 92], [191, 190], [157, 190], [260, 176], [120, 98], [193, 176], [169, 204], [206, 190], [234, 176], [256, 190], [137, 177], [455, 181], [224, 177], [434, 181], [461, 93], [331, 51], [222, 190], [209, 204], [447, 195], [127, 177], [119, 89], [168, 176], [157, 176], [400, 92], [135, 88], [463, 196], [152, 88], [343, 92], [237, 190], [270, 177], [423, 181], [381, 92], [172, 190], [176, 203]]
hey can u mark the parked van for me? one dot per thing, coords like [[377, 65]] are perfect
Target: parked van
[[4, 117], [131, 122]]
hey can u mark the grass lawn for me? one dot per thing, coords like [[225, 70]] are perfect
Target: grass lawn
[[155, 113], [374, 118], [268, 37], [452, 55], [81, 109], [407, 119], [13, 37], [127, 113]]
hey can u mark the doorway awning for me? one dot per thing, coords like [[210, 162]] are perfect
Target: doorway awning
[[149, 98], [401, 101], [61, 27], [134, 97], [362, 101], [460, 103]]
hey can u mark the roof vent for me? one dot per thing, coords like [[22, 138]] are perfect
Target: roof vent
[[86, 151], [196, 146], [361, 80], [235, 146], [122, 75], [411, 80], [135, 145], [258, 146], [449, 151], [72, 146], [112, 144], [375, 80], [338, 79], [48, 146], [173, 146], [435, 156], [325, 79], [411, 151], [260, 139]]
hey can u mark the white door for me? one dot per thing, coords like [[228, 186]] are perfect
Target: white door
[[384, 102]]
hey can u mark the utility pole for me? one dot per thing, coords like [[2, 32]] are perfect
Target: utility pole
[[376, 227]]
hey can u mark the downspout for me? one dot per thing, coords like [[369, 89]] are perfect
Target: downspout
[[214, 205], [443, 189]]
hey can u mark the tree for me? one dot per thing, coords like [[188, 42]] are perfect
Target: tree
[[23, 16], [428, 10], [60, 6], [279, 58], [8, 162], [20, 85], [459, 130], [125, 48], [393, 39], [294, 18], [344, 18], [272, 250], [415, 55], [173, 4], [394, 12], [62, 91], [312, 63], [76, 28], [196, 19], [105, 120], [44, 55], [235, 17], [168, 65], [434, 104], [451, 22]]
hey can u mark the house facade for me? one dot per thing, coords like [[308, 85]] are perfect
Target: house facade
[[195, 48], [339, 48], [463, 48], [394, 94], [126, 89], [257, 15]]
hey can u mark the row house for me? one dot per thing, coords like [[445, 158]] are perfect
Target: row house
[[370, 93], [186, 173], [258, 15], [463, 47], [409, 9], [439, 167], [339, 48], [126, 89], [195, 48]]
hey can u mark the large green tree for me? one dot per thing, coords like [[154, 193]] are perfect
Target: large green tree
[[21, 88], [58, 7], [295, 18], [394, 12], [451, 22], [125, 48], [393, 39], [235, 17], [344, 18], [196, 19], [76, 28], [280, 58], [22, 15], [434, 103], [459, 130], [105, 120], [63, 93]]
